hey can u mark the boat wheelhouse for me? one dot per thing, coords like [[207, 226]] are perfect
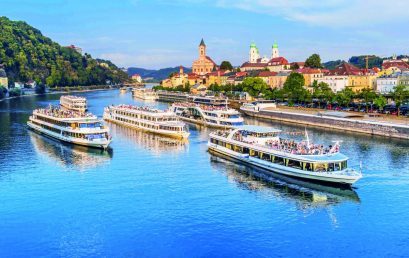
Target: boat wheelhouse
[[208, 100], [145, 94], [212, 116], [147, 119], [73, 127], [73, 103], [262, 147]]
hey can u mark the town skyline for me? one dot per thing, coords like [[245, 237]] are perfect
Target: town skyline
[[158, 34]]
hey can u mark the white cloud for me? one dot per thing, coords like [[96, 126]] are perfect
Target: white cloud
[[333, 13], [151, 58]]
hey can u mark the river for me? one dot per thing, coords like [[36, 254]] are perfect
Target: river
[[151, 196]]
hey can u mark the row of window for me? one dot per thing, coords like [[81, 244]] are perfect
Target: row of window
[[307, 166]]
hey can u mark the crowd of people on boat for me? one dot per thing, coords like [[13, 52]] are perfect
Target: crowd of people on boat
[[62, 113], [131, 107], [287, 145], [301, 148]]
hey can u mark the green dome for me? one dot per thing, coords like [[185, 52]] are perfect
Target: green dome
[[253, 45], [275, 45]]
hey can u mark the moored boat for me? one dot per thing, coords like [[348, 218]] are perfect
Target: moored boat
[[73, 103], [208, 111], [262, 147], [145, 94], [73, 127], [147, 119]]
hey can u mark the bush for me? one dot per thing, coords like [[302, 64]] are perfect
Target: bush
[[3, 92], [40, 89], [15, 92]]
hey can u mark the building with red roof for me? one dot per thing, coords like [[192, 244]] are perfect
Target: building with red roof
[[278, 64], [204, 64]]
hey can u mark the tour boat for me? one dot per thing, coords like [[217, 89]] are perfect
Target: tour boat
[[73, 127], [262, 147], [123, 89], [74, 103], [208, 111], [145, 94], [147, 119], [257, 106]]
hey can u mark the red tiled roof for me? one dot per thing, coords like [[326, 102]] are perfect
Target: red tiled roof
[[266, 74], [345, 69], [259, 65], [397, 63], [208, 58], [308, 70], [278, 61], [239, 74]]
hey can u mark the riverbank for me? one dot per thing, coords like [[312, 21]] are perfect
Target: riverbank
[[61, 92], [373, 126]]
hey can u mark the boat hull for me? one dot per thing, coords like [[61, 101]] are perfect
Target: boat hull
[[177, 135], [283, 170], [96, 144]]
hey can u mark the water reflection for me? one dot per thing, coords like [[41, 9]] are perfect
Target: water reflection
[[305, 194], [67, 155], [156, 144]]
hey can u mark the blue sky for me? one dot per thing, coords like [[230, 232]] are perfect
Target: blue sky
[[159, 33]]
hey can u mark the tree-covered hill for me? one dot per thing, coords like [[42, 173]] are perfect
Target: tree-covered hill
[[26, 54], [156, 75]]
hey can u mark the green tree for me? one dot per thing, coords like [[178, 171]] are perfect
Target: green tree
[[314, 61], [400, 94], [3, 92], [226, 65], [345, 96], [380, 101], [254, 86], [368, 96], [294, 87]]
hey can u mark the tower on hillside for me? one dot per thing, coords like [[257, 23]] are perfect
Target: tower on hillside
[[254, 53], [202, 49], [275, 53]]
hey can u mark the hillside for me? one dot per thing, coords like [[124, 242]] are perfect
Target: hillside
[[157, 75], [26, 54]]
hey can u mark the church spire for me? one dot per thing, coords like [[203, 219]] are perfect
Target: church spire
[[202, 43]]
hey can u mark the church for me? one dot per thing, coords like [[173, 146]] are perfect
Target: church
[[256, 62], [204, 64]]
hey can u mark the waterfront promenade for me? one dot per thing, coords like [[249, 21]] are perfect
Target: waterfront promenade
[[343, 121]]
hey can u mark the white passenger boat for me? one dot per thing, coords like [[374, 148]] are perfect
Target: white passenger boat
[[147, 119], [74, 103], [262, 147], [257, 106], [73, 127], [145, 94], [123, 89], [207, 111]]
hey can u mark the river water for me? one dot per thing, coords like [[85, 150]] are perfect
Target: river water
[[151, 196]]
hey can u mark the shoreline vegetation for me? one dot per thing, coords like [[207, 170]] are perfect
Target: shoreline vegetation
[[59, 90]]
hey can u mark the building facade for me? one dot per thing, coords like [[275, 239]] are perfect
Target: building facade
[[3, 79], [386, 84], [203, 64]]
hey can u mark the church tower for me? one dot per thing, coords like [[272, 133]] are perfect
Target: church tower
[[275, 52], [202, 50], [254, 54]]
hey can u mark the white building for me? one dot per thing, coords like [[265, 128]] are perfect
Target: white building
[[275, 53], [335, 82], [254, 54], [386, 84]]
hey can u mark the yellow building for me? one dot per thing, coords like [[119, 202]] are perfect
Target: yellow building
[[3, 79], [310, 75], [217, 77], [277, 82], [359, 82]]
